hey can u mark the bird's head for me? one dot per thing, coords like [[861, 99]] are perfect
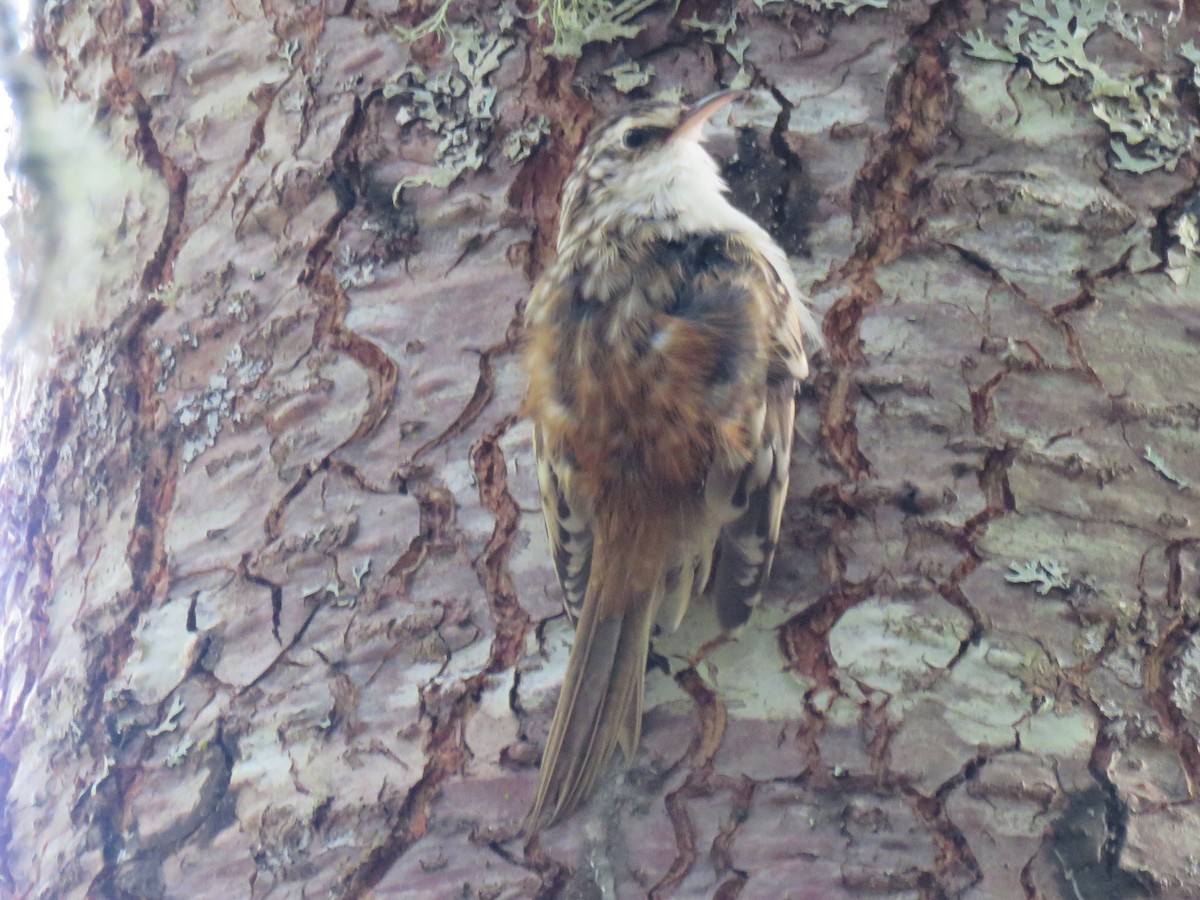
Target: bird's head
[[644, 164]]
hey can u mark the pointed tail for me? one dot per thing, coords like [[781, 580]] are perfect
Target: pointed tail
[[601, 700]]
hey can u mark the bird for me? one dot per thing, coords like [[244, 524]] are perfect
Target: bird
[[664, 349]]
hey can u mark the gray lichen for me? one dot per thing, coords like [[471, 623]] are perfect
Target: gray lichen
[[716, 31], [1149, 129], [1160, 466], [94, 385], [177, 754], [353, 271], [846, 7], [1046, 574], [629, 75], [165, 354], [1191, 53], [360, 572], [202, 415], [522, 141], [1183, 256], [577, 23], [574, 23], [288, 50], [456, 105], [434, 23], [170, 720], [1185, 692]]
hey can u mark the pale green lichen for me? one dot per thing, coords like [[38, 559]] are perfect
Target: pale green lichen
[[177, 754], [577, 23], [719, 31], [1149, 129], [1185, 692], [1191, 53], [738, 50], [740, 81], [90, 790], [629, 76], [170, 721], [1045, 574], [434, 23], [1058, 733], [287, 52], [166, 293], [1052, 39], [1183, 258], [846, 7], [1160, 466], [716, 31], [354, 271], [1187, 231], [735, 666], [360, 572], [202, 416], [456, 104], [522, 141]]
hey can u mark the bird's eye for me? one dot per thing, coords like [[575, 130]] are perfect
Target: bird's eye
[[636, 138]]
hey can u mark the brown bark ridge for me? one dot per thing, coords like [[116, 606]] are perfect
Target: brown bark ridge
[[278, 611]]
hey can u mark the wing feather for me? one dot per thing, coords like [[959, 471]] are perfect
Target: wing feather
[[568, 525], [749, 503], [718, 364], [746, 546]]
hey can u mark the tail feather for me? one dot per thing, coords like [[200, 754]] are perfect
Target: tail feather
[[600, 705]]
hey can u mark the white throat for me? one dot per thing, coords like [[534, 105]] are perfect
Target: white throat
[[681, 191], [681, 187]]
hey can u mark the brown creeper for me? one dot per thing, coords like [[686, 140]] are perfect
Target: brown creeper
[[665, 346]]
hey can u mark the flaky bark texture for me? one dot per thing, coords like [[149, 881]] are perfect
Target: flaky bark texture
[[279, 615]]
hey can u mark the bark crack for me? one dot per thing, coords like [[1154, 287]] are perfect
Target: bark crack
[[447, 751]]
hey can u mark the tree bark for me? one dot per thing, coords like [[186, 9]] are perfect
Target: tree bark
[[279, 615]]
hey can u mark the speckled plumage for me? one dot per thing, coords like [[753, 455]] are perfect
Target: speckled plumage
[[665, 345]]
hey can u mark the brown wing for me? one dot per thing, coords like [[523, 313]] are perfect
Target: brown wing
[[568, 525], [746, 546], [750, 503], [624, 438]]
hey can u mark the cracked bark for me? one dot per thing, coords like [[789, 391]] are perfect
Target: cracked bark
[[276, 592]]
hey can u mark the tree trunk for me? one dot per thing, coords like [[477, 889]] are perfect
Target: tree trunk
[[279, 613]]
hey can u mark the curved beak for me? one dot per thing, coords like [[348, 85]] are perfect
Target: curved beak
[[701, 111]]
